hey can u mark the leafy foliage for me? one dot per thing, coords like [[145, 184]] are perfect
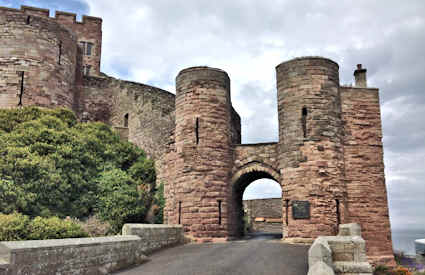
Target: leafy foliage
[[51, 165], [15, 227], [159, 204]]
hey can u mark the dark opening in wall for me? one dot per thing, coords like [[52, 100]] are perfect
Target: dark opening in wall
[[21, 92], [197, 130], [28, 20], [287, 212], [338, 213], [180, 212], [219, 211], [304, 121], [60, 52], [86, 70], [126, 120]]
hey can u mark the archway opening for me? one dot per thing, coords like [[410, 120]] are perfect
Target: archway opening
[[257, 204]]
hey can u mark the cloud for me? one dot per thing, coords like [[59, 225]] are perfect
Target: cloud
[[150, 41]]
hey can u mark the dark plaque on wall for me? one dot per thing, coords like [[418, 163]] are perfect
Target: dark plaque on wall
[[300, 209]]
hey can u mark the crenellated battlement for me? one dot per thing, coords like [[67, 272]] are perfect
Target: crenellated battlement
[[61, 16]]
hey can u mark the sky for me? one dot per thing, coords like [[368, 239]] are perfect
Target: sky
[[150, 41]]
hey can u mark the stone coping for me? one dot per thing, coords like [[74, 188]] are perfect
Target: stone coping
[[7, 247], [138, 225], [307, 58]]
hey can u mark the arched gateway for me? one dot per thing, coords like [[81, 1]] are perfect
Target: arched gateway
[[328, 160]]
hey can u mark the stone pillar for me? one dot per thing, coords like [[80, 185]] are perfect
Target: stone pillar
[[360, 77], [204, 155], [310, 147]]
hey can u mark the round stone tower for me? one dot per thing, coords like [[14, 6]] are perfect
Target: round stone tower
[[310, 147], [37, 63], [204, 152]]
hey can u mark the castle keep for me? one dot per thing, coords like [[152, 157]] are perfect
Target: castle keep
[[328, 160]]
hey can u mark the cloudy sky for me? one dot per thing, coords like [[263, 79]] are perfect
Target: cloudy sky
[[150, 41]]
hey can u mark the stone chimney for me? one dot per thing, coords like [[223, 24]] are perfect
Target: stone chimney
[[360, 77]]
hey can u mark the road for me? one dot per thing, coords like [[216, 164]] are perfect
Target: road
[[260, 254]]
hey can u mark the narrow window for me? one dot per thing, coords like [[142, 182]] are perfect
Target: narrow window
[[338, 213], [304, 121], [180, 212], [28, 20], [197, 130], [219, 211], [89, 47], [126, 120], [287, 212], [60, 52], [83, 46], [86, 70], [21, 93]]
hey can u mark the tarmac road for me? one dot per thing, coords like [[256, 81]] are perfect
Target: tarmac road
[[261, 254]]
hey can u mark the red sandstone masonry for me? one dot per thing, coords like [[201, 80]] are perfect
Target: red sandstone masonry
[[366, 191], [34, 49]]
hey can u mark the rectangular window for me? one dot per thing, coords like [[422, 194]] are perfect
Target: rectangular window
[[86, 70], [180, 212], [89, 47], [287, 212], [219, 211], [60, 52], [21, 93]]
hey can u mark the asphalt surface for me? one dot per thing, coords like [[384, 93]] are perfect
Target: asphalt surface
[[260, 254]]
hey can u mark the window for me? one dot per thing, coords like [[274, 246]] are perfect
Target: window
[[87, 47], [21, 93], [28, 20], [219, 211], [60, 52], [126, 120], [197, 130], [86, 70], [304, 121]]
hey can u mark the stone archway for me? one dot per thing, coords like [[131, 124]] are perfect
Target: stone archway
[[247, 174]]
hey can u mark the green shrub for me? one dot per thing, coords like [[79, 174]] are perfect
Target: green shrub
[[159, 204], [54, 228], [120, 199], [51, 165], [17, 227], [13, 227]]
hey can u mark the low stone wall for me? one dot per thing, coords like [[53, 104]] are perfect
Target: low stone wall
[[344, 254], [101, 255], [155, 236]]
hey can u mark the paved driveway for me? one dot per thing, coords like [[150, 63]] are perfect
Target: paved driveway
[[262, 254]]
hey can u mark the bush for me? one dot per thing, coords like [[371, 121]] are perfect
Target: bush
[[16, 227], [159, 204], [120, 199], [54, 228], [51, 165], [13, 227], [94, 227]]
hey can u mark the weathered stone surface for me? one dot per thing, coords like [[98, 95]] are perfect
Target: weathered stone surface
[[101, 255], [350, 229], [320, 252], [264, 215], [320, 268]]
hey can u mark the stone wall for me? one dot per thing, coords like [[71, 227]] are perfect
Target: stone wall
[[146, 111], [344, 254], [310, 145], [364, 169], [101, 255], [264, 215], [47, 54]]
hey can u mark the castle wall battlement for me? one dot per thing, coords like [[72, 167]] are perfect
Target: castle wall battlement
[[38, 65], [88, 33]]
